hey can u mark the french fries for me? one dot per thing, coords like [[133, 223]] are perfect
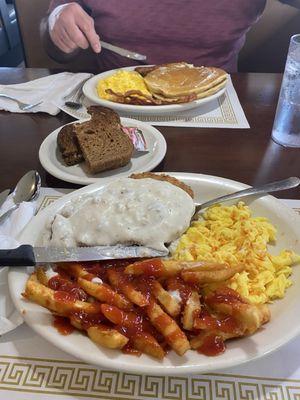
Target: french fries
[[136, 329], [149, 305], [42, 295], [100, 291], [191, 310], [107, 337], [45, 297], [250, 316], [216, 336], [168, 302], [120, 281], [104, 293], [168, 328], [168, 268], [210, 273], [72, 268], [41, 276], [154, 267], [147, 344]]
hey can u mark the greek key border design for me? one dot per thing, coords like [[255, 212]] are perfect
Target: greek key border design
[[227, 111], [47, 200], [59, 377]]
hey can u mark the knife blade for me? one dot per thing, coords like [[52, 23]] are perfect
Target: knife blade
[[123, 52], [3, 196], [26, 255]]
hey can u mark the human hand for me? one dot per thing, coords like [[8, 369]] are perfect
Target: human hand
[[73, 28]]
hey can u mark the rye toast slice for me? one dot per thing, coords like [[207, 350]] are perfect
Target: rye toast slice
[[103, 143], [68, 145]]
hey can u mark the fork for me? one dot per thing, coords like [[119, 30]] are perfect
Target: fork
[[72, 100], [272, 187], [22, 106]]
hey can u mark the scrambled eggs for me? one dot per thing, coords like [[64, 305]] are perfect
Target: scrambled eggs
[[121, 83], [230, 235]]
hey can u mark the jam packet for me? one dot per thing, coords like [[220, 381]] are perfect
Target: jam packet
[[137, 138]]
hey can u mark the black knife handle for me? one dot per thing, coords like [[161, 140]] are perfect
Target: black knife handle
[[21, 256]]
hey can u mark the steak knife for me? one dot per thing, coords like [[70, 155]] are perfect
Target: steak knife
[[26, 255]]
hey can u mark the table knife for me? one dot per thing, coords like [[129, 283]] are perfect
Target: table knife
[[26, 255], [3, 196], [123, 52]]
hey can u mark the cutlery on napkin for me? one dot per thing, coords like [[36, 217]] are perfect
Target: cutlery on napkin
[[9, 230], [50, 91]]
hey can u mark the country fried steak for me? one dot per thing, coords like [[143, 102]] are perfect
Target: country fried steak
[[166, 178]]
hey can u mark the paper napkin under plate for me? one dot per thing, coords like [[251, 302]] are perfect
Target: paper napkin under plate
[[9, 230]]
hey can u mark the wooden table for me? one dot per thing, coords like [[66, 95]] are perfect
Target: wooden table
[[248, 156]]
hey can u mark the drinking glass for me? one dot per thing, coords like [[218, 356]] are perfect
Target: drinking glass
[[286, 128]]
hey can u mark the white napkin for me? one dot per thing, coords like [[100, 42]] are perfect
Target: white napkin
[[13, 225], [50, 90], [9, 230], [10, 318]]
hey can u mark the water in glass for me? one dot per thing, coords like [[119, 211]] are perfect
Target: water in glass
[[286, 128]]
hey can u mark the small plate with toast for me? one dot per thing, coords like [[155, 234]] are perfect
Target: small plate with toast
[[156, 90], [98, 149]]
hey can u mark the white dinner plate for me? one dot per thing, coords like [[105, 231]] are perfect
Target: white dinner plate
[[284, 324], [90, 91], [51, 159]]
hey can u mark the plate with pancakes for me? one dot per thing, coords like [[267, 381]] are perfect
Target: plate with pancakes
[[158, 89]]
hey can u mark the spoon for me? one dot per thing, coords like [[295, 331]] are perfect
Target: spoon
[[263, 189], [27, 189]]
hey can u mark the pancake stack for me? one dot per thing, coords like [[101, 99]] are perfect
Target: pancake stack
[[181, 82]]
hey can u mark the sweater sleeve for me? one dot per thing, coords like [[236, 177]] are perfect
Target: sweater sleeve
[[54, 52], [55, 3]]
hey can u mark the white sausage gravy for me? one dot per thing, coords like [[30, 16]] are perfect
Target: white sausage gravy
[[145, 212]]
